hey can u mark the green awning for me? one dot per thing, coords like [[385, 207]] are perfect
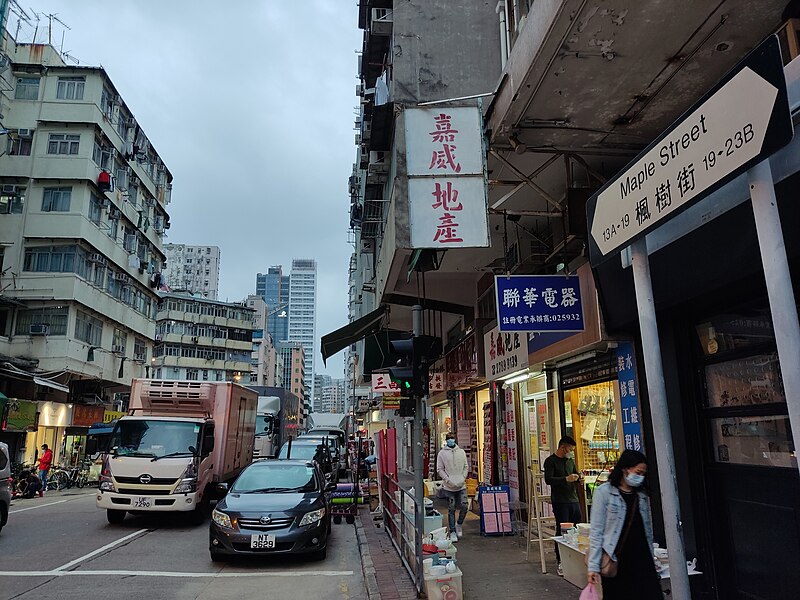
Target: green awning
[[351, 333]]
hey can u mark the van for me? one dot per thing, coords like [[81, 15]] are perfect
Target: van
[[5, 484]]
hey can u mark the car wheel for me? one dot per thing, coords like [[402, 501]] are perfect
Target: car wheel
[[320, 554], [216, 556], [115, 517]]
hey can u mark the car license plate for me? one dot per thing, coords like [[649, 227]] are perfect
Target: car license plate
[[262, 541], [142, 502]]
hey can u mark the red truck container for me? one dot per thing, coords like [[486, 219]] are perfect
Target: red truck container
[[179, 439]]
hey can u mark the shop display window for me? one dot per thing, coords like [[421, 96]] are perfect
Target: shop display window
[[591, 419], [761, 441], [745, 382], [728, 332]]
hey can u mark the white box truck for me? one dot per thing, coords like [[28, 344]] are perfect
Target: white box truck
[[277, 419], [179, 439]]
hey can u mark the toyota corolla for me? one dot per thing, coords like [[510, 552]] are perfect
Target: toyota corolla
[[273, 507]]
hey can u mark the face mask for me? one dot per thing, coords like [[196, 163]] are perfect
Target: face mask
[[451, 443], [634, 479], [571, 454]]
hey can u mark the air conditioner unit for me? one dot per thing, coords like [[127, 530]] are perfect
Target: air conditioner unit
[[9, 189], [130, 122], [382, 21], [159, 337], [118, 349], [96, 257], [39, 329], [25, 133], [120, 276]]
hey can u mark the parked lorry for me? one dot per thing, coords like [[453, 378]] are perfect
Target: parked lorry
[[277, 418], [179, 439]]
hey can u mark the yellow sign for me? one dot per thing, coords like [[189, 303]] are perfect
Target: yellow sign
[[110, 415]]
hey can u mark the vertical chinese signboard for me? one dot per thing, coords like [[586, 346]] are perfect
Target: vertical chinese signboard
[[629, 397], [511, 445], [446, 165]]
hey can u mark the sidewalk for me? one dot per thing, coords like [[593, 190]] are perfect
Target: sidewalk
[[492, 566], [384, 574]]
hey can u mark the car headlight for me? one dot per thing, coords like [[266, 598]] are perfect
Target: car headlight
[[312, 517], [107, 485], [222, 519]]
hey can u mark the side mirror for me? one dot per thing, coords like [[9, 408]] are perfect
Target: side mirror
[[222, 488], [91, 446], [208, 445], [330, 487]]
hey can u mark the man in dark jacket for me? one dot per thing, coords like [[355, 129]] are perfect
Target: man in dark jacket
[[561, 474]]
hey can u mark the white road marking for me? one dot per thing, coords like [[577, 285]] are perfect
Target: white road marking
[[72, 563], [106, 573], [19, 510]]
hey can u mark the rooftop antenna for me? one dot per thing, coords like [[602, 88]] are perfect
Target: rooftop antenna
[[54, 17], [16, 9]]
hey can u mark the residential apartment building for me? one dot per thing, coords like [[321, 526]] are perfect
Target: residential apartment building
[[193, 269], [302, 315], [273, 286], [198, 339], [333, 397], [83, 197], [291, 370], [320, 381], [263, 371]]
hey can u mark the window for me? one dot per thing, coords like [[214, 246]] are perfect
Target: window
[[139, 349], [107, 102], [20, 146], [55, 259], [205, 374], [62, 143], [55, 317], [95, 209], [113, 228], [27, 88], [192, 374], [56, 199], [120, 341], [70, 88], [12, 202], [102, 155], [88, 329]]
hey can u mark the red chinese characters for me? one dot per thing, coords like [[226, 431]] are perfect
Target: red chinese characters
[[446, 201]]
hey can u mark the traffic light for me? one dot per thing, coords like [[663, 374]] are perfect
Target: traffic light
[[415, 356]]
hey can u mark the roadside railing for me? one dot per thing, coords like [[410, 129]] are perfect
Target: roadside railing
[[399, 509]]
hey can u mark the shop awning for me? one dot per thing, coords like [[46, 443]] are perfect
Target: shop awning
[[51, 384], [351, 333]]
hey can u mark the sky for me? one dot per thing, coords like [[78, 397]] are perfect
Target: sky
[[251, 106]]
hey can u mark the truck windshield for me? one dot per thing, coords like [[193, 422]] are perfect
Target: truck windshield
[[154, 438]]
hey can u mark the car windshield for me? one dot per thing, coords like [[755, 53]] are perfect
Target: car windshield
[[301, 451], [276, 477], [154, 438]]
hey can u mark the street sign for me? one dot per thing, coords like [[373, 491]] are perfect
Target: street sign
[[539, 303], [740, 122]]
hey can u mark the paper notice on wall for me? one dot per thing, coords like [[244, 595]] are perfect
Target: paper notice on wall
[[588, 429], [463, 437]]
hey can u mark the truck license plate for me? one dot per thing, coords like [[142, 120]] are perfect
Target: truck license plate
[[142, 503], [262, 541]]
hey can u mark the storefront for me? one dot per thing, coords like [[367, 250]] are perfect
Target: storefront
[[17, 419], [83, 417], [54, 418]]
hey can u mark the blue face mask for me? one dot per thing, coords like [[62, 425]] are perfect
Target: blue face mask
[[451, 443], [634, 479]]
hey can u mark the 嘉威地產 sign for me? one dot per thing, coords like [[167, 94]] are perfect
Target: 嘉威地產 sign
[[539, 303], [741, 121]]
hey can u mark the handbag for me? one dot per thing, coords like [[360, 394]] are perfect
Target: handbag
[[608, 566]]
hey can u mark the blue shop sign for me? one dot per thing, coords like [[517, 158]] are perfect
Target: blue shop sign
[[629, 398], [539, 303]]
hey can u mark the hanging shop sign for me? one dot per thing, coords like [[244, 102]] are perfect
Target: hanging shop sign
[[539, 303], [112, 415], [391, 402], [511, 444], [436, 381], [85, 416], [18, 415], [461, 364], [504, 353], [629, 397], [382, 384], [741, 121], [447, 187]]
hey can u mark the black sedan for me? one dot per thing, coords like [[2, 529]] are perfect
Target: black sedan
[[273, 507]]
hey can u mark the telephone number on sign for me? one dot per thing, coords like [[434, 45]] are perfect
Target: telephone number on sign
[[505, 365]]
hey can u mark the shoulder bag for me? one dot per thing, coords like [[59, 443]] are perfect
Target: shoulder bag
[[608, 566]]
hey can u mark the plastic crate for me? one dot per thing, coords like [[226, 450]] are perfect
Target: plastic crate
[[444, 587]]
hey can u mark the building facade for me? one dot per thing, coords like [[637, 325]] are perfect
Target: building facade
[[264, 363], [83, 202], [193, 269], [302, 315], [333, 397], [291, 370], [273, 286], [198, 339]]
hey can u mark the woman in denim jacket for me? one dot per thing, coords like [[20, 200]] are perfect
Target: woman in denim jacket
[[626, 536]]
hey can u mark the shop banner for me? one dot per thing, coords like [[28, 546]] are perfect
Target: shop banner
[[86, 416], [542, 428], [504, 353], [488, 438], [391, 402], [19, 416], [539, 303], [112, 415], [382, 384], [511, 445], [436, 378], [629, 397]]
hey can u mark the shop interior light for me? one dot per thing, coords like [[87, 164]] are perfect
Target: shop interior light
[[517, 379], [514, 375]]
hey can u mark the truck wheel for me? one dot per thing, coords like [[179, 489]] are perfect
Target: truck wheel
[[115, 517]]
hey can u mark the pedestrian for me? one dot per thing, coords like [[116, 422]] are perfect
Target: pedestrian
[[45, 462], [451, 465], [34, 485], [561, 473], [622, 532]]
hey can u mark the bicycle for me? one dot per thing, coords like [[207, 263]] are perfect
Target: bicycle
[[57, 479]]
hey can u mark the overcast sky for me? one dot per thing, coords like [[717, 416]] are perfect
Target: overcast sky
[[250, 105]]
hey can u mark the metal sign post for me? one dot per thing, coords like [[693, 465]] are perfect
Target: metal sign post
[[418, 452], [779, 287]]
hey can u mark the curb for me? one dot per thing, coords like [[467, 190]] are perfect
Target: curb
[[367, 567]]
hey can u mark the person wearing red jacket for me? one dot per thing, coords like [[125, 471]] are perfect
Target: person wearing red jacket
[[45, 462]]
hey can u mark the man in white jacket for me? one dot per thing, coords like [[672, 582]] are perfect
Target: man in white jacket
[[451, 465]]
